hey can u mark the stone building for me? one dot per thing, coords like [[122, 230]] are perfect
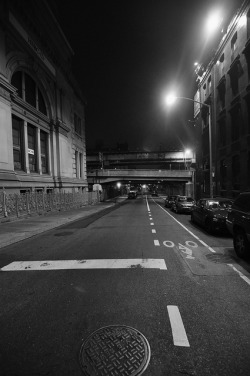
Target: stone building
[[42, 128], [225, 86]]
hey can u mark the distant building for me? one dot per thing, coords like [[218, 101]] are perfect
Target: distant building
[[225, 86], [42, 129]]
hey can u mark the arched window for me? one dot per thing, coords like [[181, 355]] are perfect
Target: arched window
[[28, 90]]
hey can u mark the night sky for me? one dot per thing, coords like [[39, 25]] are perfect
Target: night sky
[[127, 55]]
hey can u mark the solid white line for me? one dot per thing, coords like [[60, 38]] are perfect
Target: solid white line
[[247, 280], [86, 264], [178, 330], [156, 242], [147, 203], [191, 233], [153, 231]]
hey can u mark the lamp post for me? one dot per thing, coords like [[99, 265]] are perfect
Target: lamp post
[[170, 99]]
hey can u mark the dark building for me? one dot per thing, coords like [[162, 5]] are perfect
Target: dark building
[[225, 86], [42, 129]]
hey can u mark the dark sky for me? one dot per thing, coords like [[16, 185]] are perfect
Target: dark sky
[[127, 54]]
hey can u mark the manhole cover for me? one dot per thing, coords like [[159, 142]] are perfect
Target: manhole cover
[[115, 350], [220, 258], [65, 233]]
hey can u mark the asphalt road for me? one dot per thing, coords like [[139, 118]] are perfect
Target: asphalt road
[[139, 266]]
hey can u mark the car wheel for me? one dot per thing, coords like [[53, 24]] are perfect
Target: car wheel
[[176, 210], [209, 226], [241, 244]]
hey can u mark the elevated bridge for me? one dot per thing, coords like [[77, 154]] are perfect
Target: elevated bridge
[[171, 172], [140, 176]]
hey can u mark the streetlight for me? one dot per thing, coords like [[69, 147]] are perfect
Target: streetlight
[[214, 21], [186, 153], [170, 99]]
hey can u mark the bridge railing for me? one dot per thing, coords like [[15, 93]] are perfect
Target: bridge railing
[[141, 173]]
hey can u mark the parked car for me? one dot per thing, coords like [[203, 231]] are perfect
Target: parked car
[[183, 204], [154, 193], [211, 213], [132, 194], [170, 200], [238, 224]]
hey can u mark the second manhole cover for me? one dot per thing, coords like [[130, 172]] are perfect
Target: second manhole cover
[[115, 350]]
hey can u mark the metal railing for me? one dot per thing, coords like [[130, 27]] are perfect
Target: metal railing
[[17, 205], [157, 173]]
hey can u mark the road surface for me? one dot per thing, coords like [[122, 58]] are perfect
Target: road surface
[[139, 266]]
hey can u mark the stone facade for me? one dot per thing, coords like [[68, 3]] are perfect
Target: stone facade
[[225, 86], [42, 126]]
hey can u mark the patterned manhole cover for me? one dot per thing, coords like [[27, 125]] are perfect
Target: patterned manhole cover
[[65, 233], [115, 350], [220, 258]]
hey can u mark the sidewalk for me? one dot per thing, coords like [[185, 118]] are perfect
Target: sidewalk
[[23, 228]]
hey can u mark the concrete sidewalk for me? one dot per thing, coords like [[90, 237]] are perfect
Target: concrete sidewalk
[[23, 228]]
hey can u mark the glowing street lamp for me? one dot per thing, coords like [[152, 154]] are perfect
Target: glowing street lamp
[[214, 21], [187, 152], [169, 100]]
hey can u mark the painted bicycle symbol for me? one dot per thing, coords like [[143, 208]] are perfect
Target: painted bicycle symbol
[[183, 248]]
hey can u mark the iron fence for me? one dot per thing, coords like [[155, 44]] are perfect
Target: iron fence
[[17, 205]]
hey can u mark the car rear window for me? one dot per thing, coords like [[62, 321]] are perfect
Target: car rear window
[[220, 204], [182, 198]]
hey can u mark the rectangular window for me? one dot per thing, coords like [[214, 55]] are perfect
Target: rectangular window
[[234, 79], [32, 148], [236, 123], [17, 137], [234, 47], [222, 65], [222, 132], [76, 162], [17, 82], [41, 103], [80, 164], [79, 128], [77, 124], [44, 151], [30, 90], [209, 84], [222, 95]]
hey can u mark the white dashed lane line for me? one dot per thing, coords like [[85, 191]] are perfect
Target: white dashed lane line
[[153, 231], [178, 330], [156, 242]]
